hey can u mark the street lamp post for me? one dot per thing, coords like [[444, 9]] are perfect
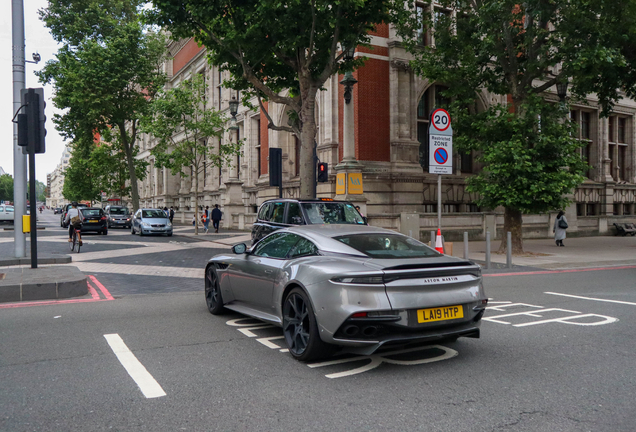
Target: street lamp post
[[562, 89]]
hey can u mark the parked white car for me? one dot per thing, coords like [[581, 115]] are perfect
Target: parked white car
[[7, 213]]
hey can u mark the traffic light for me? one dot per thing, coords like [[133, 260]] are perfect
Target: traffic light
[[323, 172], [31, 124]]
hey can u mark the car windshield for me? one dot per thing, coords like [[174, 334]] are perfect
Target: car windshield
[[91, 212], [153, 214], [118, 211], [387, 246], [332, 213]]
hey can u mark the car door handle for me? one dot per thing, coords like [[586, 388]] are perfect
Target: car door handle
[[269, 271]]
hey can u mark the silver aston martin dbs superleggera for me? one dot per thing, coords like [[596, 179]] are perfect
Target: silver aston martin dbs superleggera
[[357, 287]]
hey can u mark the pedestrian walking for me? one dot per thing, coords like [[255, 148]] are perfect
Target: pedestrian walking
[[165, 210], [171, 215], [216, 217], [206, 218], [560, 225]]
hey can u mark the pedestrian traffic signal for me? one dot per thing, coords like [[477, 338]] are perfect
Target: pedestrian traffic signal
[[31, 123], [323, 172]]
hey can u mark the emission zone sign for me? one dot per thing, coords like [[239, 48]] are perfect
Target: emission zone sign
[[440, 140]]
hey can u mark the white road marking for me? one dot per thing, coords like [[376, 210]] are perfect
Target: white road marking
[[147, 384], [267, 341], [570, 319], [592, 298], [376, 360], [246, 330]]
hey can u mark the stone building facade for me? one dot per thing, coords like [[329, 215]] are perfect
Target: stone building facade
[[390, 120]]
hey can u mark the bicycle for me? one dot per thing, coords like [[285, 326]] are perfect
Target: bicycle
[[75, 241]]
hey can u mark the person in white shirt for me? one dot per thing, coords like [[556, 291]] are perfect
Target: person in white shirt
[[73, 212]]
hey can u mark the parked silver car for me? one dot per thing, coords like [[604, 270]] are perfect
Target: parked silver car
[[151, 221], [353, 286]]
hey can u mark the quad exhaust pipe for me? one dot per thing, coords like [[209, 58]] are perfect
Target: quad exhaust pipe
[[353, 330]]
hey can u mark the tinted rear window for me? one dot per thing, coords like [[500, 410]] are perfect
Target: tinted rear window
[[92, 212], [118, 211], [332, 213], [387, 246]]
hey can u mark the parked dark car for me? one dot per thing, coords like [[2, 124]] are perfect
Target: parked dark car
[[65, 209], [281, 213], [94, 220], [118, 216]]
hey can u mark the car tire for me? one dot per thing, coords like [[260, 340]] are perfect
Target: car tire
[[170, 235], [301, 329], [213, 296], [132, 230], [105, 232]]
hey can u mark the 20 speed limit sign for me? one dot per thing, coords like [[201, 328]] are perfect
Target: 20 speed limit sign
[[440, 119], [440, 141]]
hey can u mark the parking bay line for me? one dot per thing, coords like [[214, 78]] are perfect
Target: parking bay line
[[591, 298], [147, 384]]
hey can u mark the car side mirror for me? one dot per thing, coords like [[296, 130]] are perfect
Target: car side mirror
[[366, 221], [239, 248]]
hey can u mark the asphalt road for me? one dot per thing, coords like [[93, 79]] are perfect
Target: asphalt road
[[546, 361]]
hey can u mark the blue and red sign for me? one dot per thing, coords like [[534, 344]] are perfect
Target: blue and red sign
[[441, 156]]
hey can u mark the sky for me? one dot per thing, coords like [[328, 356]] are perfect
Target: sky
[[38, 39]]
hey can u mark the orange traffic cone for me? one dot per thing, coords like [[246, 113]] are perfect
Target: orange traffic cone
[[439, 246]]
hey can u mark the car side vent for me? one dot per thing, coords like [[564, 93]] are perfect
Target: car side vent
[[221, 266]]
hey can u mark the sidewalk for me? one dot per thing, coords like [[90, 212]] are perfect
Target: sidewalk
[[225, 238], [579, 252]]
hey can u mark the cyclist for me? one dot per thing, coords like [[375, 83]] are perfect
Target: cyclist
[[75, 222]]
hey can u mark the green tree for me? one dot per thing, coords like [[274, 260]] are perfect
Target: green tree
[[522, 49], [6, 188], [272, 46], [106, 72], [80, 180], [183, 125]]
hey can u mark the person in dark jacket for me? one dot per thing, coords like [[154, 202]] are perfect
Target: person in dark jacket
[[216, 217]]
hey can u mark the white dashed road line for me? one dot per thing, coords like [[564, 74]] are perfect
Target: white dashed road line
[[591, 298], [147, 384]]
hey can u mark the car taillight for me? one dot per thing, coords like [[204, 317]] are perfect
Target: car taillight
[[103, 217], [359, 315]]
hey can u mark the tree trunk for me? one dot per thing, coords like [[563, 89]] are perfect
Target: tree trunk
[[307, 140], [134, 190], [513, 222]]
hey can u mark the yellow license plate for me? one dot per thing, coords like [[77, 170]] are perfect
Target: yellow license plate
[[440, 314]]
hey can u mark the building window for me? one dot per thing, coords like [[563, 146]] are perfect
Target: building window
[[423, 11], [617, 148], [582, 121], [258, 147], [432, 98], [297, 156], [219, 89]]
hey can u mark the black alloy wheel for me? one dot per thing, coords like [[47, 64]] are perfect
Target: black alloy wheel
[[300, 328], [213, 297]]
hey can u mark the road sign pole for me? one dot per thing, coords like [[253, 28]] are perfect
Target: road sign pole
[[440, 138], [439, 201]]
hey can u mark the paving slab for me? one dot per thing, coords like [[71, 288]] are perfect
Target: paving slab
[[43, 283]]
